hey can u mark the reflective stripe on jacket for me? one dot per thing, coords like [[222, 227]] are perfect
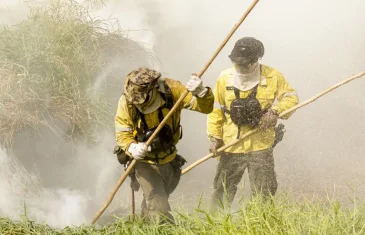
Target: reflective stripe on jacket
[[126, 129], [273, 91]]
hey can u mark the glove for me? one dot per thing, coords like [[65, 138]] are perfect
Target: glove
[[215, 145], [195, 86], [268, 120], [138, 151]]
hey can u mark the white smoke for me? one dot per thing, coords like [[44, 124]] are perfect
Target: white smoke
[[95, 175], [315, 44], [74, 186]]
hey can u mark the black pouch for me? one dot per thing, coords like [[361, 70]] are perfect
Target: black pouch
[[279, 134], [132, 175], [122, 157], [164, 139], [178, 162], [134, 183], [245, 111]]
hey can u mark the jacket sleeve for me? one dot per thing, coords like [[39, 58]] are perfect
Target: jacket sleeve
[[202, 105], [123, 125], [286, 96], [215, 119]]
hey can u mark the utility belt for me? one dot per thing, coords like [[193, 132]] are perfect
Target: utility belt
[[125, 160], [177, 163]]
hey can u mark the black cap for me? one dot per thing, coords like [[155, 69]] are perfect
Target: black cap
[[247, 49]]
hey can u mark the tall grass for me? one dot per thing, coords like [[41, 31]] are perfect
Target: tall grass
[[50, 69], [282, 215], [49, 64]]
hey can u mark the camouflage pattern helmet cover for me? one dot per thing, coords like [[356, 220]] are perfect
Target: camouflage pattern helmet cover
[[138, 83]]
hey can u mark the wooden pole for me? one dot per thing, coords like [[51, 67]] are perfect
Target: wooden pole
[[133, 205], [176, 106], [200, 161]]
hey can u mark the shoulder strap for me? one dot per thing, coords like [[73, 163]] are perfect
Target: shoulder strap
[[160, 114], [169, 103], [135, 115], [132, 110], [237, 93], [254, 91], [167, 95], [143, 127]]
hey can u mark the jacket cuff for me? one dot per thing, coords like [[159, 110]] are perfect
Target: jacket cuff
[[276, 110], [210, 137], [204, 92]]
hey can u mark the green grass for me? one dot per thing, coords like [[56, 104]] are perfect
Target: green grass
[[281, 216]]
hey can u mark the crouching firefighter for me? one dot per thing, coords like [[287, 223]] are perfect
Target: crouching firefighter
[[248, 96], [146, 100]]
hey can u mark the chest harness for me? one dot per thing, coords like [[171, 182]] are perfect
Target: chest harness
[[164, 141], [244, 111]]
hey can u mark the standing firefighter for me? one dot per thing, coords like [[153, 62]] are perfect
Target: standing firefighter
[[146, 101], [245, 99]]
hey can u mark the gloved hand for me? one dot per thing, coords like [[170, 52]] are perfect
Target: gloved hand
[[268, 120], [138, 151], [195, 86], [215, 145]]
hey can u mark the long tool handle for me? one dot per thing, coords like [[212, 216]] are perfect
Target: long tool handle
[[133, 199], [176, 106], [200, 161]]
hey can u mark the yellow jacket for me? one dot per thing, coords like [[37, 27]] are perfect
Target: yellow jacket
[[126, 128], [272, 87]]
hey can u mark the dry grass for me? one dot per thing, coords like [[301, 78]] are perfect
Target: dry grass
[[48, 68]]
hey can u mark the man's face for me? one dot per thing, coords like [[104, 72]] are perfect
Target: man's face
[[147, 99], [141, 94], [246, 67]]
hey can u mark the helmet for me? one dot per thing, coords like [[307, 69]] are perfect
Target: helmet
[[139, 83], [247, 50]]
